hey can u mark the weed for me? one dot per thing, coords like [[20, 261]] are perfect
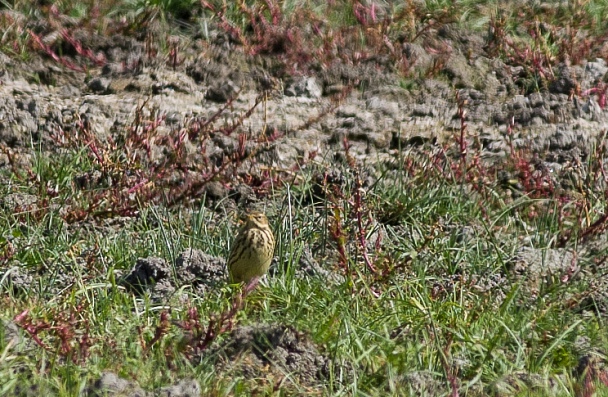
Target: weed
[[66, 330]]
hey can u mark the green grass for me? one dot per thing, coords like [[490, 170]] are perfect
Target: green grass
[[425, 310]]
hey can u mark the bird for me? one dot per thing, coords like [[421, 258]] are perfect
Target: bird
[[252, 250]]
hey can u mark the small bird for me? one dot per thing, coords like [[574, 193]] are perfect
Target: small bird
[[252, 249]]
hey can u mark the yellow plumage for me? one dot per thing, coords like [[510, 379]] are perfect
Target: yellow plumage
[[252, 249]]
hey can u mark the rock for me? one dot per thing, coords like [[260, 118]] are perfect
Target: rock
[[361, 126], [417, 383], [386, 108], [194, 268], [268, 351], [596, 69], [100, 85], [222, 92], [541, 267], [19, 202], [304, 86], [566, 81], [460, 72], [19, 279], [518, 382], [147, 271], [419, 60], [215, 190], [109, 384], [184, 388], [201, 270], [12, 333], [243, 195]]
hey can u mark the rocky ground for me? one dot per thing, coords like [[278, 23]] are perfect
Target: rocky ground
[[378, 117]]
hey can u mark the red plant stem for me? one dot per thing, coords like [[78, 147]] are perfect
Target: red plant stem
[[337, 235], [49, 51], [98, 60], [161, 329], [22, 319], [225, 322], [449, 372], [361, 229]]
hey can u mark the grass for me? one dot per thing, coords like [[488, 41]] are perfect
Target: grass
[[425, 309], [421, 282]]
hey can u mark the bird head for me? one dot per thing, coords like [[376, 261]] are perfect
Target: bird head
[[256, 219]]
